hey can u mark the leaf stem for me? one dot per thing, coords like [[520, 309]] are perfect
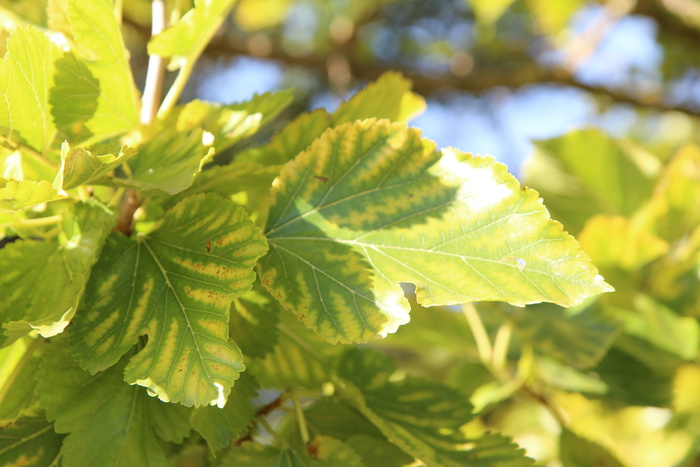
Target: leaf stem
[[38, 222], [301, 420], [176, 89], [501, 343], [153, 87], [481, 337]]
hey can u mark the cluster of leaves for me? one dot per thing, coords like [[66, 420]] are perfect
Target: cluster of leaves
[[130, 305]]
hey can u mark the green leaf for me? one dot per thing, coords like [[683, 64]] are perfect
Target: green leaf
[[18, 195], [254, 318], [102, 48], [233, 178], [74, 98], [29, 442], [334, 452], [421, 417], [19, 364], [26, 76], [378, 452], [585, 172], [389, 97], [107, 421], [174, 285], [579, 339], [44, 280], [231, 123], [186, 40], [575, 451], [222, 426], [299, 359], [374, 198], [80, 167], [290, 141], [171, 422], [169, 161], [489, 11]]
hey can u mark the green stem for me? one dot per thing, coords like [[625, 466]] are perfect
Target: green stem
[[176, 89], [38, 222], [499, 358], [481, 337], [301, 420], [280, 442]]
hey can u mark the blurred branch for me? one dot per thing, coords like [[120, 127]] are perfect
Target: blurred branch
[[480, 80], [671, 23]]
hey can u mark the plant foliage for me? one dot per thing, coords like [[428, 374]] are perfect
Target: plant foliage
[[135, 330]]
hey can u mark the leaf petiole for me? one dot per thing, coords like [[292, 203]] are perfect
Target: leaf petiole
[[301, 420]]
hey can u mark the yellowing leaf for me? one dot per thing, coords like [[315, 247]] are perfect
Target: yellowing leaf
[[18, 195], [26, 76], [175, 286], [29, 442], [370, 205], [42, 281], [388, 97], [99, 40]]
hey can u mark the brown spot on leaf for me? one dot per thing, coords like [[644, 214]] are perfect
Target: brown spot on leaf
[[323, 179], [208, 245]]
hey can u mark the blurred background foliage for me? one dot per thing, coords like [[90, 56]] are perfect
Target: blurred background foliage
[[593, 103]]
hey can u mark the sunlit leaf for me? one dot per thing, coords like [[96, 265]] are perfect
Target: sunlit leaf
[[222, 426], [107, 420], [186, 40], [42, 281], [585, 172], [174, 285], [575, 451], [253, 15], [233, 122], [290, 141], [388, 97], [17, 195], [618, 242], [19, 364], [29, 442], [80, 167], [26, 76], [168, 162], [370, 205], [102, 48]]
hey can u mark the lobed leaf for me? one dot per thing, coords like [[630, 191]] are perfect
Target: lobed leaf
[[107, 421], [29, 442], [99, 41], [370, 205], [18, 195], [174, 285], [43, 281], [26, 76]]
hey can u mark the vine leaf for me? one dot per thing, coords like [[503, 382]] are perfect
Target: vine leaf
[[16, 195], [421, 417], [99, 41], [80, 167], [388, 97], [174, 285], [370, 205], [26, 75], [29, 442], [186, 40], [108, 422], [42, 281]]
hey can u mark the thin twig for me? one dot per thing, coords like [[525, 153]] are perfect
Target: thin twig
[[156, 68]]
